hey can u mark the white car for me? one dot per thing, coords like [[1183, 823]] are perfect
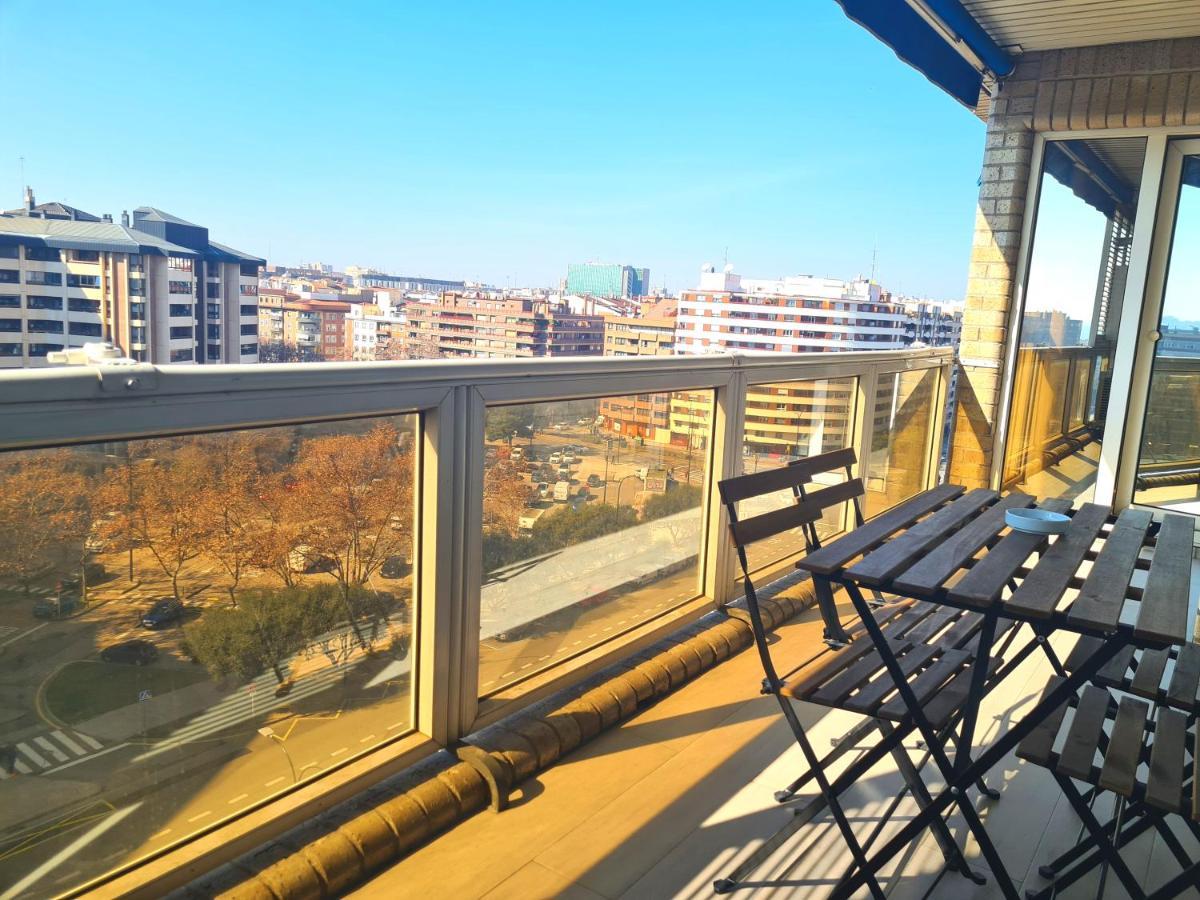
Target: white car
[[555, 458]]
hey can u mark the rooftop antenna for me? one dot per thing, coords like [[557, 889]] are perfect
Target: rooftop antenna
[[726, 262], [874, 254]]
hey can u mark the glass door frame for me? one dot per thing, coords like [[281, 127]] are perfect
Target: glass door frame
[[1146, 335], [1129, 386]]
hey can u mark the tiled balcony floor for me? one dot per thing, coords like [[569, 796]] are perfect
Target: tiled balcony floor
[[664, 804]]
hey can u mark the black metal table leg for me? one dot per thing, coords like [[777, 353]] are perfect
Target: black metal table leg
[[948, 769], [992, 755]]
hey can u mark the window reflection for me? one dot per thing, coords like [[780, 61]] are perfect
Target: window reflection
[[1073, 297]]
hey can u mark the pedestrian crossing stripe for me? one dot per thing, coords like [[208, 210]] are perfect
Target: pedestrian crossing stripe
[[45, 751]]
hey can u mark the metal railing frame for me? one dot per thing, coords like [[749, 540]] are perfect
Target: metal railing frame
[[77, 405]]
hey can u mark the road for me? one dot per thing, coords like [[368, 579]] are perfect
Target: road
[[185, 775]]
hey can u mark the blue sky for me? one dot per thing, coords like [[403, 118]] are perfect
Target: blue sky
[[500, 141]]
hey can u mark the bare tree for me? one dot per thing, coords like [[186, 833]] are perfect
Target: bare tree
[[352, 502], [161, 512], [44, 508]]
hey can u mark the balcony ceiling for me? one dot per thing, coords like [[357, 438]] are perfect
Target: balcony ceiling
[[960, 45], [1055, 24]]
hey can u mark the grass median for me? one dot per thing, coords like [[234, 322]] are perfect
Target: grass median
[[87, 688]]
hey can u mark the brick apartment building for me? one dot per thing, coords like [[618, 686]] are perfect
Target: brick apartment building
[[813, 315], [462, 326], [315, 325], [650, 333]]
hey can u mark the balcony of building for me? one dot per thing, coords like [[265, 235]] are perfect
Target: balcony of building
[[338, 580]]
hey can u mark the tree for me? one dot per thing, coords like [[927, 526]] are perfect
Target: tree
[[264, 631], [158, 507], [44, 507], [502, 421], [677, 498], [279, 352], [505, 492], [226, 505], [351, 503]]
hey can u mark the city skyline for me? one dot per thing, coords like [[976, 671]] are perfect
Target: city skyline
[[586, 146]]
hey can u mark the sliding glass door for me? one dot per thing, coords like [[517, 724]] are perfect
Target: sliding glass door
[[1167, 473]]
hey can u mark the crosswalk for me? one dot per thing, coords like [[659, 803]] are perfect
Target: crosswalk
[[35, 755], [248, 703]]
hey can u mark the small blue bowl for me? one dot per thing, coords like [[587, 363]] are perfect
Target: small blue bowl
[[1036, 521]]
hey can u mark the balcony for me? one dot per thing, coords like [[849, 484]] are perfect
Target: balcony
[[424, 611]]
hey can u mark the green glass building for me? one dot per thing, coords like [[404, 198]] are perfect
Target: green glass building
[[607, 280]]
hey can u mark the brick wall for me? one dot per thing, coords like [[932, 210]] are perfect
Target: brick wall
[[1143, 84]]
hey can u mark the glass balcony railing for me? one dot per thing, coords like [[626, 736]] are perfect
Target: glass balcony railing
[[209, 609]]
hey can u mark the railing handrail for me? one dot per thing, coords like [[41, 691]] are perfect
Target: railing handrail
[[78, 404]]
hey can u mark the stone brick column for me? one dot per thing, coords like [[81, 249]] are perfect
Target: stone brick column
[[992, 280], [1144, 84]]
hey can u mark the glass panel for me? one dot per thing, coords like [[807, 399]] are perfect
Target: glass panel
[[1169, 464], [899, 458], [592, 517], [1076, 285], [191, 625], [788, 421]]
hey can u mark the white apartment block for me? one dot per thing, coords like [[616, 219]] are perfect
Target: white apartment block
[[790, 315], [157, 288], [369, 326]]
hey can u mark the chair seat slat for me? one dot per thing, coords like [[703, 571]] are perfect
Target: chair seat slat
[[1119, 772], [1164, 785], [1083, 738]]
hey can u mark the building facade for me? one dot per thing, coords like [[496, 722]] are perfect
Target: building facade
[[607, 280], [932, 323], [156, 287], [650, 333], [369, 327], [369, 278], [791, 315], [460, 326]]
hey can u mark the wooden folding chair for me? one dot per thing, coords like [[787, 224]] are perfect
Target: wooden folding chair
[[1169, 679], [934, 646]]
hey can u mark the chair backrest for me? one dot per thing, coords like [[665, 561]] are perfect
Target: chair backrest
[[809, 505]]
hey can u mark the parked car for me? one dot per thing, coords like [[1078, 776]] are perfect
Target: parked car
[[94, 572], [393, 567], [562, 492], [163, 613], [555, 458], [134, 653], [57, 607], [595, 481], [517, 453], [543, 490]]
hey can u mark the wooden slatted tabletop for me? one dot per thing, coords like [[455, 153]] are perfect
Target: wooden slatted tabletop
[[952, 545]]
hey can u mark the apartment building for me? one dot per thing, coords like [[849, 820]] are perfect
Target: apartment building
[[372, 278], [649, 333], [156, 286], [931, 322], [316, 325], [607, 280], [369, 327], [479, 326], [789, 315]]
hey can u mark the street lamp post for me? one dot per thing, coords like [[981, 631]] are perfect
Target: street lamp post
[[607, 456], [621, 485], [268, 732]]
